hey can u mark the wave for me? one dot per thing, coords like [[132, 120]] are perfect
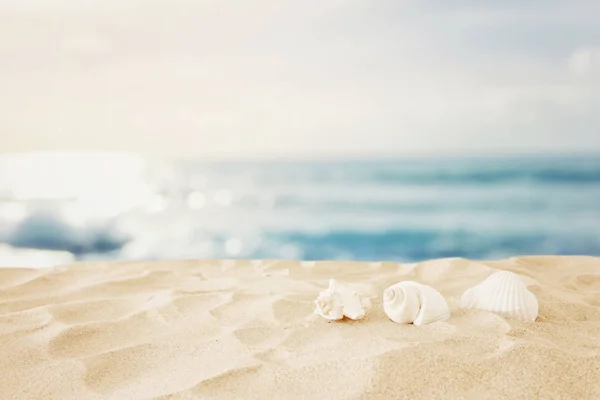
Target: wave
[[548, 176], [417, 245], [425, 206], [33, 258], [570, 171], [435, 177], [48, 230]]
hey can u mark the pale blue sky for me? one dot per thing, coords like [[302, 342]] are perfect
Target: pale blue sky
[[190, 77]]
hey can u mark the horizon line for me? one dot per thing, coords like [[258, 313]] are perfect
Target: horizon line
[[348, 156]]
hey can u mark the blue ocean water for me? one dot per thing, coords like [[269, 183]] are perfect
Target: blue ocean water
[[57, 208]]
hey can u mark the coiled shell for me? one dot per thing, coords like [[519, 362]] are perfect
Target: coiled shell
[[411, 302]]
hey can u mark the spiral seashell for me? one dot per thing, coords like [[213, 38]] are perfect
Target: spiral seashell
[[411, 302], [503, 293], [338, 301]]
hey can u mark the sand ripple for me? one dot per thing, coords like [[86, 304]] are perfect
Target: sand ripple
[[245, 329]]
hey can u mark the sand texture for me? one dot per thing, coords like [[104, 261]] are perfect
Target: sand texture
[[246, 330]]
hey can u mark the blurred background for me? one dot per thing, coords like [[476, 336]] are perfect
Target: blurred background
[[357, 130]]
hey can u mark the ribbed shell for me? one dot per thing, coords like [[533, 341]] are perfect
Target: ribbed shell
[[411, 302], [503, 293]]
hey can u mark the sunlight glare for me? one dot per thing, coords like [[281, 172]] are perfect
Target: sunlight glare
[[196, 200], [233, 246], [223, 198], [13, 211]]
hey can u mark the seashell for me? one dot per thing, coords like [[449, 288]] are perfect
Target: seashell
[[338, 301], [503, 293], [411, 302]]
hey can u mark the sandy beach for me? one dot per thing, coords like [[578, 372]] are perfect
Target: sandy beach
[[246, 330]]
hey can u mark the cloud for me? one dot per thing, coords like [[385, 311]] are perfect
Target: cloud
[[585, 60], [299, 77]]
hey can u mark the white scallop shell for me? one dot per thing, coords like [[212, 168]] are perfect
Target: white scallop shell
[[503, 293], [338, 301], [411, 302]]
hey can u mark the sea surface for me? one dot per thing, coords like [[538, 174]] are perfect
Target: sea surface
[[60, 207]]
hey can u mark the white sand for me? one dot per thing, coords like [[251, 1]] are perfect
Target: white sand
[[246, 330]]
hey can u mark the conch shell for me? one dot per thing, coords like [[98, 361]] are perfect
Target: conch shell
[[411, 302], [338, 301], [503, 293]]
